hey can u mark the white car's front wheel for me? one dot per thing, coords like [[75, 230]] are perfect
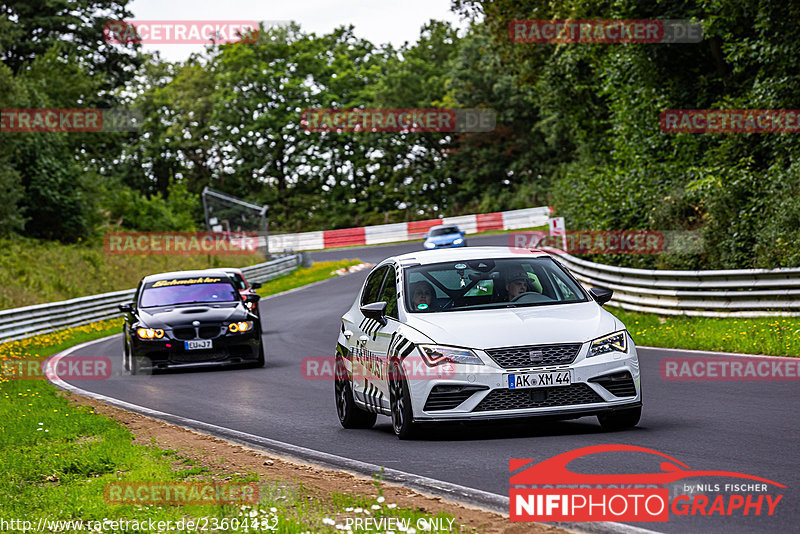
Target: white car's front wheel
[[400, 402], [620, 420]]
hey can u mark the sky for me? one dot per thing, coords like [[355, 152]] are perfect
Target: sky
[[379, 21]]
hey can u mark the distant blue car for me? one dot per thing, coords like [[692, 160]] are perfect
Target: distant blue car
[[444, 236]]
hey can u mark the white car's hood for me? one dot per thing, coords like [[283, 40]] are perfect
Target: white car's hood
[[506, 327]]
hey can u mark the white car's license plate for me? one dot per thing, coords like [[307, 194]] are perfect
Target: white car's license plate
[[197, 344], [539, 380]]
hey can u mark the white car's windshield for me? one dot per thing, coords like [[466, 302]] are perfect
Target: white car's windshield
[[489, 283]]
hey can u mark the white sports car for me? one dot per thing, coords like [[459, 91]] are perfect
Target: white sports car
[[482, 333]]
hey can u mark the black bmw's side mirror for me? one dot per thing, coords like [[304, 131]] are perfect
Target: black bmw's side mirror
[[256, 285], [126, 307], [375, 310], [601, 294]]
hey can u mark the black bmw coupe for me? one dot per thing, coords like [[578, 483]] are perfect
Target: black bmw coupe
[[190, 319]]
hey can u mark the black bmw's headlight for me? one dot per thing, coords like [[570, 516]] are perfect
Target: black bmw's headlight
[[240, 327], [149, 334]]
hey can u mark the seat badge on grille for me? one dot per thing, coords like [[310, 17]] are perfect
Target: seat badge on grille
[[536, 356]]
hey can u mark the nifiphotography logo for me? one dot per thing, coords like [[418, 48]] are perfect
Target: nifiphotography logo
[[549, 491]]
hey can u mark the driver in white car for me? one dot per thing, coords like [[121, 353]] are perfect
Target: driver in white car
[[517, 283]]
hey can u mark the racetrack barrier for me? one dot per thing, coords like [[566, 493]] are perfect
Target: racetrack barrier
[[720, 293], [23, 322], [407, 231]]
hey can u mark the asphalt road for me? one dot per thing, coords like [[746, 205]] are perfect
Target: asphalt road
[[746, 427]]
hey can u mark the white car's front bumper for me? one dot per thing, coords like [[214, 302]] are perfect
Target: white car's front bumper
[[487, 396]]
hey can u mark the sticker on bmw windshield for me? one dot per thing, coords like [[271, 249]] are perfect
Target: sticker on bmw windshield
[[186, 281], [422, 306]]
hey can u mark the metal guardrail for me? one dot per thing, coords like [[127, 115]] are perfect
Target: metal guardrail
[[18, 323], [724, 293]]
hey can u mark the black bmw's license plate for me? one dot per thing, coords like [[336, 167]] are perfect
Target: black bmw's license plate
[[197, 344]]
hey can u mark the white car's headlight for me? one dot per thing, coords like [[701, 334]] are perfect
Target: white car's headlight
[[616, 342], [429, 244], [438, 354], [458, 240]]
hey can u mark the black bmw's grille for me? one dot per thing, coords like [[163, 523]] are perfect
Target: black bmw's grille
[[618, 384], [184, 333], [517, 399], [534, 355], [209, 332], [449, 397]]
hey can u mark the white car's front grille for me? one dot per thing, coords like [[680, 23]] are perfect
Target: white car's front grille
[[534, 355]]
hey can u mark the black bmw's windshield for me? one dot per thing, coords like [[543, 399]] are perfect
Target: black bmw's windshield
[[490, 283], [176, 292]]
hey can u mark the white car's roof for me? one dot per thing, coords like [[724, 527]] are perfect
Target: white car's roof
[[425, 257]]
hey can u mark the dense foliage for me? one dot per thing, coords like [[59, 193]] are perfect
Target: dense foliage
[[577, 126]]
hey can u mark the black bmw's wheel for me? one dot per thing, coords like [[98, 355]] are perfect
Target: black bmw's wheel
[[400, 402], [135, 366], [261, 360], [620, 420], [126, 355], [350, 415]]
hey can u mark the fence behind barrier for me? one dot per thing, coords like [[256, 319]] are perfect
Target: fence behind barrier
[[43, 318], [722, 293]]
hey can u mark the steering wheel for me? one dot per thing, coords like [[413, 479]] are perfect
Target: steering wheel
[[449, 304], [515, 299]]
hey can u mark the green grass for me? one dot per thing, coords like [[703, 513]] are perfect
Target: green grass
[[57, 458], [36, 271], [776, 336], [304, 275]]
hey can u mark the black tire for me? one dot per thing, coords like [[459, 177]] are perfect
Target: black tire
[[400, 403], [350, 415], [620, 420], [125, 355], [135, 367], [261, 361]]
